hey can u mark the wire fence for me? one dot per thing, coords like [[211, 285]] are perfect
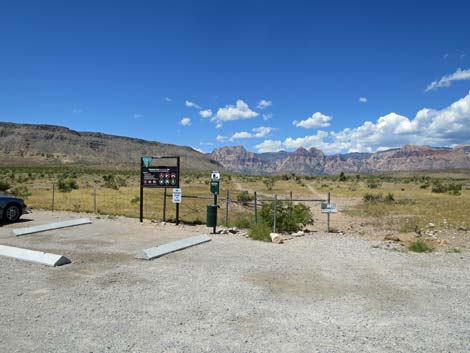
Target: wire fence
[[158, 205]]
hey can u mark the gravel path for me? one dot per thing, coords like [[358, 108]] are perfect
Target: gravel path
[[318, 293]]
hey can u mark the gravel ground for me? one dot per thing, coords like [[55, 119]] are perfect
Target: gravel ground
[[318, 293]]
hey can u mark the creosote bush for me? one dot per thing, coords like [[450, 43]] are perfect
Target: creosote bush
[[244, 197], [4, 185], [260, 231], [420, 246], [67, 185], [289, 217]]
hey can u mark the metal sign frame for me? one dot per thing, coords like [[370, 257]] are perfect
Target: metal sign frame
[[152, 177]]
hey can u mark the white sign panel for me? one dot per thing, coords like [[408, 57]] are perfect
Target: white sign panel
[[215, 176], [177, 195], [328, 207]]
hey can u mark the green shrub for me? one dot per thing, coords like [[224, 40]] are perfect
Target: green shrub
[[4, 185], [373, 184], [242, 220], [420, 246], [21, 191], [269, 183], [342, 177], [260, 231], [244, 197], [451, 188], [371, 197], [289, 217], [389, 198], [67, 185]]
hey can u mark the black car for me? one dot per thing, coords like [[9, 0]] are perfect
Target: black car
[[11, 208]]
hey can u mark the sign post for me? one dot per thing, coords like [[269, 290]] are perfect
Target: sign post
[[158, 177], [328, 208], [215, 181]]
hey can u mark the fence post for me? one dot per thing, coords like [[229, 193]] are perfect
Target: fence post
[[94, 198], [164, 205], [53, 196], [291, 205], [275, 211], [256, 209], [227, 195], [328, 216]]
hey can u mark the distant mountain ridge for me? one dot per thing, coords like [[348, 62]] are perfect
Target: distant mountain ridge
[[29, 144], [314, 162], [23, 144]]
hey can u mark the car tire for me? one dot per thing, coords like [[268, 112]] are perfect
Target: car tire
[[12, 213]]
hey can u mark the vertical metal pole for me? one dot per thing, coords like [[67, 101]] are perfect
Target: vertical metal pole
[[177, 204], [328, 216], [291, 205], [275, 213], [94, 198], [227, 200], [164, 205], [141, 192], [215, 203], [256, 209], [53, 196]]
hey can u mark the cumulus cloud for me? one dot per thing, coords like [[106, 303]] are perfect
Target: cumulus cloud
[[205, 113], [185, 122], [221, 138], [263, 104], [198, 149], [315, 121], [446, 81], [240, 110], [269, 146], [257, 132], [446, 127], [363, 99], [192, 105], [267, 116]]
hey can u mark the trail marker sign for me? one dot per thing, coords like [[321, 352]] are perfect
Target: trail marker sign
[[328, 207], [177, 195]]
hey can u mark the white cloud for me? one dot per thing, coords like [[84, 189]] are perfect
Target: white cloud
[[77, 111], [185, 122], [462, 56], [267, 116], [257, 132], [192, 105], [446, 127], [241, 110], [168, 99], [221, 138], [363, 99], [218, 125], [138, 116], [263, 104], [446, 81], [198, 149], [205, 113], [269, 146], [315, 121]]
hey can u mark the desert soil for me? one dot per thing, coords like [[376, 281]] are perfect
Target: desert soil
[[317, 293]]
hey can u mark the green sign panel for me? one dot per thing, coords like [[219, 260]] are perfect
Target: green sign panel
[[215, 187]]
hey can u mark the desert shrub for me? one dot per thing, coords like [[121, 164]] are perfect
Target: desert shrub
[[21, 191], [67, 185], [373, 184], [113, 182], [260, 231], [269, 183], [242, 220], [342, 177], [289, 217], [244, 197], [420, 246], [451, 188], [4, 185], [135, 199], [371, 197], [389, 198]]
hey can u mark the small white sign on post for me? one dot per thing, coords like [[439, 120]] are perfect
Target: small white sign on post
[[177, 195], [328, 207]]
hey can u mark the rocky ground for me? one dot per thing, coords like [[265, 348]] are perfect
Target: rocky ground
[[315, 293]]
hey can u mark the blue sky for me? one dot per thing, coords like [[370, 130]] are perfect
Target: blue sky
[[339, 76]]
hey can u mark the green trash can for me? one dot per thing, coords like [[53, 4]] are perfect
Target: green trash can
[[211, 220]]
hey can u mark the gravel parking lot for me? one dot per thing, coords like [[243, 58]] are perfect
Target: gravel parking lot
[[317, 293]]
